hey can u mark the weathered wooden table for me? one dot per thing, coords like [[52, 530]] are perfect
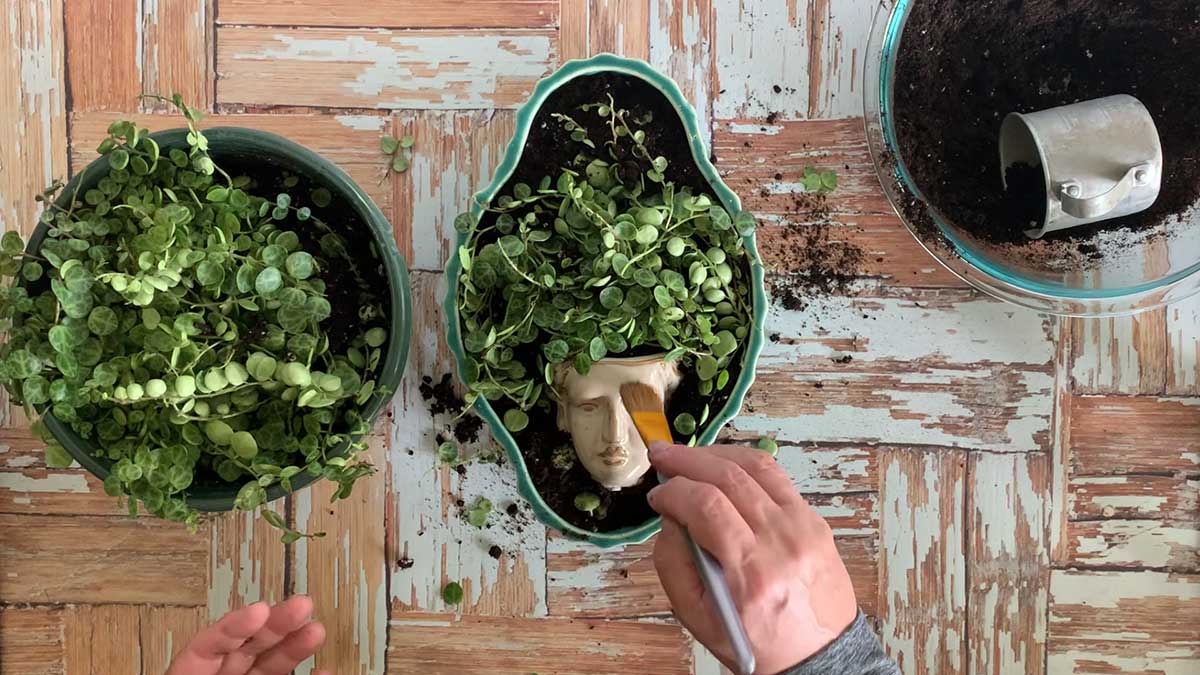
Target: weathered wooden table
[[1012, 493]]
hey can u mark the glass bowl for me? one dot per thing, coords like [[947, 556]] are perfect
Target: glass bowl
[[1132, 273]]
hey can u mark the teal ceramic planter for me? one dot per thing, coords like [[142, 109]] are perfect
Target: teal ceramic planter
[[687, 117], [251, 148]]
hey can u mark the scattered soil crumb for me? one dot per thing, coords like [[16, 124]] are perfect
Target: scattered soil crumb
[[812, 260], [495, 552], [772, 117], [443, 399], [844, 359], [405, 563]]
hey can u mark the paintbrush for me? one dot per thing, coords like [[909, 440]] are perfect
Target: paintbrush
[[646, 409]]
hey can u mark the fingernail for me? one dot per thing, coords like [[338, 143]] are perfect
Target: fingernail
[[652, 495]]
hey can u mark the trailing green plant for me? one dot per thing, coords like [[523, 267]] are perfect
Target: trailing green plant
[[477, 515], [820, 181], [607, 258], [589, 503], [399, 150], [452, 593], [174, 318]]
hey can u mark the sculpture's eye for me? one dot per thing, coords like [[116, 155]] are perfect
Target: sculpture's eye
[[589, 406]]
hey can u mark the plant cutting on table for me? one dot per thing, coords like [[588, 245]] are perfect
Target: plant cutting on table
[[610, 256], [174, 317]]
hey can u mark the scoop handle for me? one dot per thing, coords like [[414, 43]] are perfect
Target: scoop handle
[[714, 581]]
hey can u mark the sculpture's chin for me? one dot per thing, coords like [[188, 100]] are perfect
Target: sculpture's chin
[[612, 485]]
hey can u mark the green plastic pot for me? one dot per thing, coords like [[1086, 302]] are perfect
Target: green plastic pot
[[512, 157], [251, 147]]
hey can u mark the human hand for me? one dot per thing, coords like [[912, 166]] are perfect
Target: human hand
[[255, 640], [789, 583]]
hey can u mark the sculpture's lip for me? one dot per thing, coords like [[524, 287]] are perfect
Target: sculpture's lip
[[615, 455]]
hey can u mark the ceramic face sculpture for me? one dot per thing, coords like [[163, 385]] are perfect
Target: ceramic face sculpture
[[605, 438]]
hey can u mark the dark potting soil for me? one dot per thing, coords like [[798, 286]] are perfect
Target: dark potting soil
[[346, 292], [443, 399], [964, 64], [1024, 199], [548, 149]]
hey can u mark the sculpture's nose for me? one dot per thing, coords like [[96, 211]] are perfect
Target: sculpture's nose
[[614, 428]]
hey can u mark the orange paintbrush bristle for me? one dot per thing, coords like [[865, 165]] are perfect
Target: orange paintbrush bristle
[[646, 409]]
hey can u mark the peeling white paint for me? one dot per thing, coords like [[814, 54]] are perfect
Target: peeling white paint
[[362, 122], [752, 129], [957, 328], [430, 530], [918, 407], [912, 533], [227, 583], [1107, 590], [1136, 660], [824, 470], [74, 482], [1142, 543], [385, 69], [758, 47], [689, 62], [1183, 347]]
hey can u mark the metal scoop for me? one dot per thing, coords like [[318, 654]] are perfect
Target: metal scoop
[[1100, 159]]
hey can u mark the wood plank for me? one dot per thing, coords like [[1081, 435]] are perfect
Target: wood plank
[[454, 156], [1094, 657], [33, 122], [1117, 435], [1126, 355], [1134, 544], [104, 57], [434, 644], [246, 561], [351, 141], [356, 68], [1008, 563], [584, 581], [1183, 348], [31, 641], [102, 639], [429, 542], [1173, 499], [680, 39], [51, 559], [1152, 609], [345, 573], [796, 60], [177, 51], [988, 384], [573, 30], [620, 27], [765, 164], [922, 570], [164, 632], [394, 13], [27, 486], [1060, 447]]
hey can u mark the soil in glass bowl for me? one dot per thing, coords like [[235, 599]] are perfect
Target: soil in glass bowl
[[548, 149], [962, 65]]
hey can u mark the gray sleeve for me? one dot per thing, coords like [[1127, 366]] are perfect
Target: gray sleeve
[[855, 652]]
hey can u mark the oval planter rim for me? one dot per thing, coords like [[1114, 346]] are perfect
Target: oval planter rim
[[512, 156], [291, 154]]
